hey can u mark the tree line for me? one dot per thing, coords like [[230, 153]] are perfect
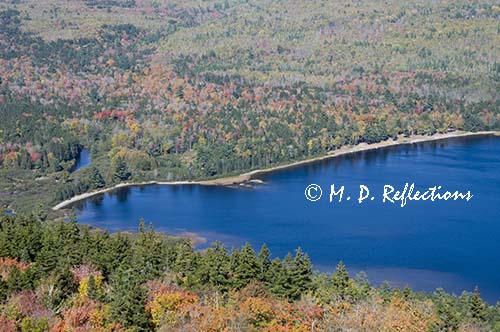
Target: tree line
[[62, 276]]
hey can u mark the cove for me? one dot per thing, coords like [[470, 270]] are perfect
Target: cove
[[449, 244], [83, 160]]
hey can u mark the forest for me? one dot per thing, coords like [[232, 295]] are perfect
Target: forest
[[196, 90], [60, 277]]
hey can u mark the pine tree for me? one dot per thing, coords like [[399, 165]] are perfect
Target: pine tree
[[147, 251], [363, 287], [128, 300], [246, 267], [19, 280], [300, 274], [121, 172], [478, 307], [215, 267], [264, 262], [117, 252], [48, 258], [96, 180], [407, 293], [278, 281], [340, 281], [93, 291], [68, 237], [20, 237], [3, 290], [446, 308], [63, 286], [185, 260], [40, 213]]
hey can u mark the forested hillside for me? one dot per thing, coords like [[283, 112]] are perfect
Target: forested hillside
[[196, 89], [61, 277]]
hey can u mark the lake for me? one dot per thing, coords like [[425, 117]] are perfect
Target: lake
[[83, 160], [450, 244]]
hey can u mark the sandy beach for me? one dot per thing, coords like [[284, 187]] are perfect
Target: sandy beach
[[237, 179]]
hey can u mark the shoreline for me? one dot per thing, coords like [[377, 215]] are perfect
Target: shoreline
[[244, 177]]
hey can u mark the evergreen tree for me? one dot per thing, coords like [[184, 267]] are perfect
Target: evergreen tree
[[478, 307], [449, 316], [341, 282], [95, 179], [121, 171], [363, 286], [290, 278], [48, 257], [246, 267], [20, 237], [19, 280], [40, 213], [472, 121], [264, 262], [147, 252], [111, 251], [93, 291], [385, 291], [62, 285], [278, 281], [300, 274], [3, 290], [185, 260], [215, 267], [70, 236], [128, 300]]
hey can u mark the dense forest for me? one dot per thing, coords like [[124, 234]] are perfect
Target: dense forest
[[62, 277], [196, 89]]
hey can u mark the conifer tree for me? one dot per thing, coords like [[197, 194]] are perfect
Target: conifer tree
[[121, 171], [3, 290], [62, 286], [20, 237], [446, 307], [478, 307], [18, 280], [341, 281], [128, 300], [147, 252], [70, 235], [300, 274], [48, 258], [278, 281], [185, 260], [96, 180], [117, 251], [246, 267], [92, 289], [40, 213], [264, 262], [215, 268]]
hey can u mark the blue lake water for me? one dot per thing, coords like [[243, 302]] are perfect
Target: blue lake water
[[83, 159], [9, 213], [450, 244]]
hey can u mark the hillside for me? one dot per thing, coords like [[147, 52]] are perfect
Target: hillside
[[61, 277], [197, 89]]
